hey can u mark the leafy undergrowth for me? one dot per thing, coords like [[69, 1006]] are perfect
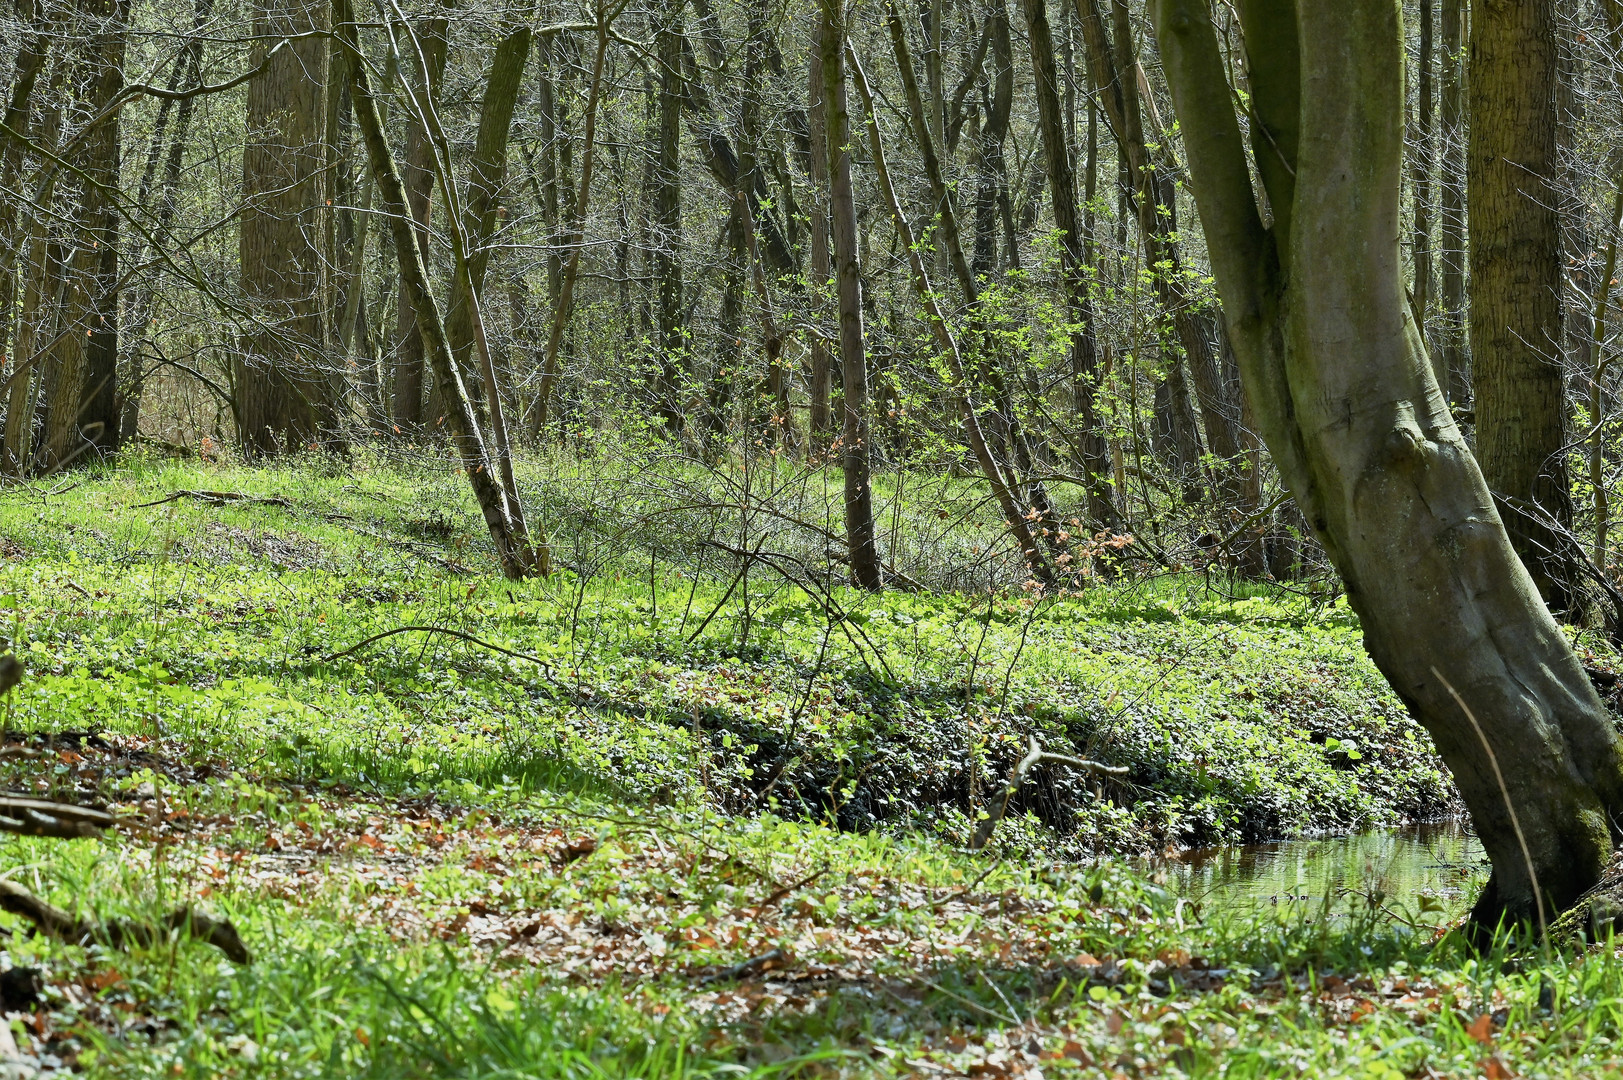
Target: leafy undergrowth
[[251, 630], [606, 827]]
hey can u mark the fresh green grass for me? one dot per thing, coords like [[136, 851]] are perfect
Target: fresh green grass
[[547, 852]]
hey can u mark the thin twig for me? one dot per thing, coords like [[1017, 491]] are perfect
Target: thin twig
[[364, 642], [983, 831]]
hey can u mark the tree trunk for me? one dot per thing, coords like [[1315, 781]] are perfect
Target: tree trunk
[[418, 176], [1361, 432], [1115, 73], [757, 50], [514, 552], [278, 371], [860, 533], [1013, 513], [564, 306], [1095, 453], [820, 269], [1420, 172], [41, 291], [138, 316], [29, 62], [672, 344], [1516, 325], [487, 172], [83, 410], [1451, 215]]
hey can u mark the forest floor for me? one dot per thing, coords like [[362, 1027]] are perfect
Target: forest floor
[[649, 819]]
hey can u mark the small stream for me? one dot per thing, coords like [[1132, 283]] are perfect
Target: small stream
[[1442, 861]]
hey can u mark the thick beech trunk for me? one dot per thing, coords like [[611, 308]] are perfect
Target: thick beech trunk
[[280, 384], [1513, 194], [1363, 435]]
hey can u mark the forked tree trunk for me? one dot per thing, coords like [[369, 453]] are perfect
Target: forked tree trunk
[[860, 533], [506, 523], [1363, 435]]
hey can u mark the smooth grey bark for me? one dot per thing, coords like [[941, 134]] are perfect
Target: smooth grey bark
[[1363, 435], [855, 438]]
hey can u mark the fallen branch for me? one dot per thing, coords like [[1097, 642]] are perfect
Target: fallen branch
[[41, 817], [785, 890], [121, 933], [983, 831], [755, 965], [218, 498], [364, 642]]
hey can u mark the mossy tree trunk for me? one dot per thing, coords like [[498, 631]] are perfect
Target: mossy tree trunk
[[1337, 373]]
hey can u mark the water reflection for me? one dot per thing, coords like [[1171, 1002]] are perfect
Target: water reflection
[[1431, 865]]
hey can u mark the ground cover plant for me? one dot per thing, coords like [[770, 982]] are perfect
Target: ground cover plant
[[591, 827]]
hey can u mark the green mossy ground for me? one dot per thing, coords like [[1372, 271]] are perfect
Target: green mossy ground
[[549, 835]]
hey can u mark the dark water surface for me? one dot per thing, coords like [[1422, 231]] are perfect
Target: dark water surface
[[1424, 865]]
